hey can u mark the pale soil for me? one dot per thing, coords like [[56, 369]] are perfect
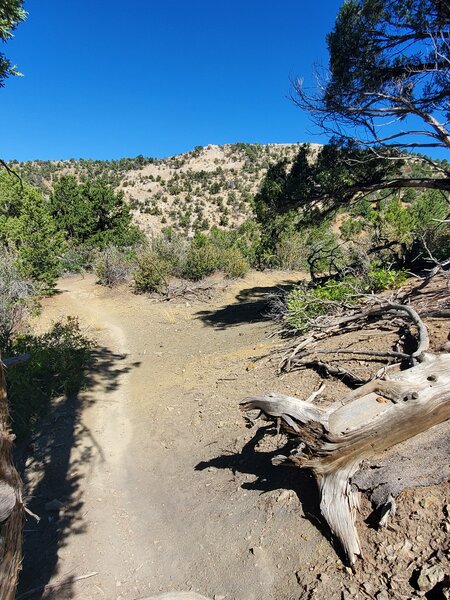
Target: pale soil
[[163, 486]]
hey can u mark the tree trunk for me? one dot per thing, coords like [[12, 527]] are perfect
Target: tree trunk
[[11, 506], [361, 425]]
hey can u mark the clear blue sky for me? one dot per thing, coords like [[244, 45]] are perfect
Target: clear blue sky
[[105, 79]]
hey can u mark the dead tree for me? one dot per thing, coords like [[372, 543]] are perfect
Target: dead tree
[[385, 411], [11, 505]]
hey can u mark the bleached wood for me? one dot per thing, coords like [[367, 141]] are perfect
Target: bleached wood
[[362, 424]]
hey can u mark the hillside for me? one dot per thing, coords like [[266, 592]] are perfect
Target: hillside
[[211, 185]]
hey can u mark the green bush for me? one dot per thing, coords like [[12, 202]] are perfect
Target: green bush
[[292, 250], [171, 248], [233, 263], [430, 206], [379, 279], [92, 213], [307, 302], [151, 273], [202, 259], [350, 228], [27, 226], [113, 266], [217, 251], [57, 367]]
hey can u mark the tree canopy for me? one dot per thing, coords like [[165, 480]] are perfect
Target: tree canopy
[[91, 213], [388, 80], [385, 94]]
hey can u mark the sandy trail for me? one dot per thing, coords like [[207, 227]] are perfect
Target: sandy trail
[[161, 485]]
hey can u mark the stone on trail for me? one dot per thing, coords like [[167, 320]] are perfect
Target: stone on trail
[[177, 596]]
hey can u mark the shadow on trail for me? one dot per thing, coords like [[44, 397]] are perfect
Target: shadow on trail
[[50, 464], [269, 477], [250, 307]]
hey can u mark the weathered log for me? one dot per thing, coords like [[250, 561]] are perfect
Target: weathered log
[[361, 425], [11, 506]]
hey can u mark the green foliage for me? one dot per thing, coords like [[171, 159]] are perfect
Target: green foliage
[[172, 249], [27, 225], [379, 279], [171, 256], [202, 258], [57, 366], [92, 213], [11, 14], [308, 302], [363, 208], [426, 212], [351, 228], [76, 259], [395, 221], [292, 250], [305, 303], [232, 262], [152, 272]]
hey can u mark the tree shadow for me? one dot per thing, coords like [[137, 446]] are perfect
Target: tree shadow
[[53, 485], [252, 461], [250, 307]]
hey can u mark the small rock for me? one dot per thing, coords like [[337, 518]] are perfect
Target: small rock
[[285, 495], [368, 587], [429, 501], [407, 545], [429, 576], [382, 595], [54, 505]]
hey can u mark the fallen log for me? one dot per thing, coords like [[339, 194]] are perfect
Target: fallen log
[[333, 441]]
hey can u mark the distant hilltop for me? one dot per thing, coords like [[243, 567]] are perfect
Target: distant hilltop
[[210, 185]]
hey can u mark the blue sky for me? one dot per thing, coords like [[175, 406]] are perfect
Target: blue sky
[[105, 79]]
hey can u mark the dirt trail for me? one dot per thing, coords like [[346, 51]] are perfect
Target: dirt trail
[[161, 485]]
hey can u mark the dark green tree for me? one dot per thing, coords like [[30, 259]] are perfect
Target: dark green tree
[[92, 213], [388, 83], [27, 226]]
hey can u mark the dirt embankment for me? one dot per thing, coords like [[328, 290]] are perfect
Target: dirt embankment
[[161, 487]]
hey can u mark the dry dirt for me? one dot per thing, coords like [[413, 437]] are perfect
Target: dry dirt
[[162, 487]]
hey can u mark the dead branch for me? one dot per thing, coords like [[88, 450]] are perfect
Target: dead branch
[[325, 327], [336, 370], [361, 425], [202, 291], [11, 171]]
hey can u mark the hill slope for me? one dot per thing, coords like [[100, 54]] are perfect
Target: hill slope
[[211, 185]]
